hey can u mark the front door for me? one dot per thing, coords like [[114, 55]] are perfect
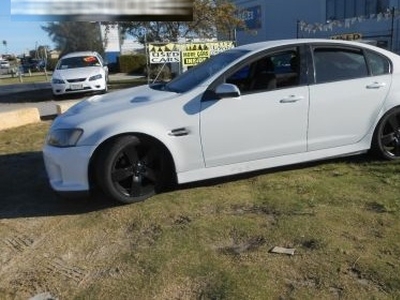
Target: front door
[[269, 119]]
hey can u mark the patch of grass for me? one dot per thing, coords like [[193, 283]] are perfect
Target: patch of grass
[[203, 241], [23, 139], [34, 78]]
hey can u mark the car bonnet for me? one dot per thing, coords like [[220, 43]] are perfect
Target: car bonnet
[[117, 101]]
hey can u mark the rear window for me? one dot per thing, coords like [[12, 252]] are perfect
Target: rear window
[[378, 64], [335, 64]]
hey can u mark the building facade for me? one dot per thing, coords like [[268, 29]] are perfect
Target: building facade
[[374, 21]]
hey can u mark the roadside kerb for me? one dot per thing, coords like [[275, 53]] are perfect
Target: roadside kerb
[[19, 117], [63, 107], [19, 114]]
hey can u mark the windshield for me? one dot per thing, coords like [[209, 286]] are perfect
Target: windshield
[[78, 62], [194, 76]]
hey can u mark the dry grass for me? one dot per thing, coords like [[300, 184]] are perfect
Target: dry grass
[[204, 241]]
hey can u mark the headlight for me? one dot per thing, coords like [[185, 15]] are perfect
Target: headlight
[[96, 77], [57, 81], [64, 137]]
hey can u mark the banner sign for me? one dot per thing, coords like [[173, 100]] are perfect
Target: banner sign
[[189, 54], [164, 53], [165, 57], [194, 57], [218, 47]]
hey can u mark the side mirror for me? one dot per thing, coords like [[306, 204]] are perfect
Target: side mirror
[[227, 90]]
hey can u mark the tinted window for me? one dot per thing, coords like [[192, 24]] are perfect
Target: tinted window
[[277, 70], [378, 64], [334, 64]]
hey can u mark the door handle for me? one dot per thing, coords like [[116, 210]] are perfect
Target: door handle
[[291, 99], [376, 85]]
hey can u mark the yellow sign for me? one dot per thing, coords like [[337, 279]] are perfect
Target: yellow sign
[[192, 58], [191, 54]]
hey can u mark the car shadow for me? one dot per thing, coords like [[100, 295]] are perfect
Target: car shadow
[[356, 159], [25, 191]]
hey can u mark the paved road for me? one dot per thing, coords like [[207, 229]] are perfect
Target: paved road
[[39, 95]]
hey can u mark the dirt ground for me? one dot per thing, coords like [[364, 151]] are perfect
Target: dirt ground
[[34, 255]]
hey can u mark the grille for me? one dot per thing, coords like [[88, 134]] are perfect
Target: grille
[[76, 80]]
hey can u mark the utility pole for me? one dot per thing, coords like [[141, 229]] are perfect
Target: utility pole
[[392, 30]]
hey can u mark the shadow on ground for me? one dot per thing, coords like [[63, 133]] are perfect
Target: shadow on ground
[[29, 96], [46, 94], [25, 191]]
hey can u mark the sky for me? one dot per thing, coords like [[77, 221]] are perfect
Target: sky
[[21, 36]]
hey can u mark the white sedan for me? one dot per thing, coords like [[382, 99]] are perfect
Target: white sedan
[[253, 107], [79, 72]]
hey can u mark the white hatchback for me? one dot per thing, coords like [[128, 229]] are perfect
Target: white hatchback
[[80, 72], [253, 107]]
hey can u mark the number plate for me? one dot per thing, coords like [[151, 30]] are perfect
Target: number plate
[[76, 86]]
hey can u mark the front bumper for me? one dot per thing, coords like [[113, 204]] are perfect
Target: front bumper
[[82, 87], [68, 168]]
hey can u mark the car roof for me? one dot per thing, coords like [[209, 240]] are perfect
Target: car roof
[[81, 53], [288, 42]]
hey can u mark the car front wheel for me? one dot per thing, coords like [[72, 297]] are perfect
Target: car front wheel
[[386, 142], [130, 169]]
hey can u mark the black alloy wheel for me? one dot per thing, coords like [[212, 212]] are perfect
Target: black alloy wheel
[[130, 170], [387, 136]]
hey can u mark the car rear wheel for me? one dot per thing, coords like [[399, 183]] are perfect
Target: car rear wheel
[[386, 141], [130, 169]]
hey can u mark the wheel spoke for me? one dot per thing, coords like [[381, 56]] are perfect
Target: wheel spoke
[[388, 139], [136, 187], [151, 175], [121, 174], [131, 154], [139, 187]]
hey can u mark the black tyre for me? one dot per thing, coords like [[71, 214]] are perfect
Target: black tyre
[[130, 170], [386, 140]]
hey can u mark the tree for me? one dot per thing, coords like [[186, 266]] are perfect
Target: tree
[[75, 36], [42, 52], [210, 17]]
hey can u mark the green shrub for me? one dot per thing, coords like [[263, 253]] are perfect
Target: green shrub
[[160, 72], [132, 63]]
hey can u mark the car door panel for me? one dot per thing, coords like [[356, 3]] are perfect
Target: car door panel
[[254, 126], [341, 113]]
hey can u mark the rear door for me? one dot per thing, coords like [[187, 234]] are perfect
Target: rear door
[[350, 87]]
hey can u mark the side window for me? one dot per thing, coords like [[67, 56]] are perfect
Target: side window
[[334, 64], [378, 64], [273, 71]]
